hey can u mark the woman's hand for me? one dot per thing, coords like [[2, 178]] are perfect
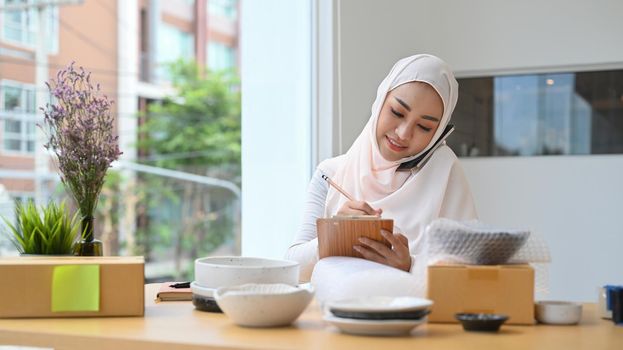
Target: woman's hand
[[397, 256], [358, 208]]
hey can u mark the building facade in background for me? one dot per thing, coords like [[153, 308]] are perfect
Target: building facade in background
[[87, 33], [126, 44]]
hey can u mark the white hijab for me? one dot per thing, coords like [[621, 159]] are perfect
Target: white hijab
[[412, 198]]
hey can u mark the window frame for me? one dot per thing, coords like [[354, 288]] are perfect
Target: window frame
[[218, 8], [24, 117], [24, 42], [185, 38], [223, 48]]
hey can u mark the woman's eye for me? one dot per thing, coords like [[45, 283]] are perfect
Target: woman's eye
[[424, 128], [399, 115]]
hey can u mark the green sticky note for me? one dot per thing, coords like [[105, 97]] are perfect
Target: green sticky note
[[76, 288]]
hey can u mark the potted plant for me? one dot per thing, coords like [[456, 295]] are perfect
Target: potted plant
[[51, 231], [80, 128]]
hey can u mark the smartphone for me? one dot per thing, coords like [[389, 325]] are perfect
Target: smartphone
[[421, 160]]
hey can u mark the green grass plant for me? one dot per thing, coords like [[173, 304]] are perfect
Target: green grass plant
[[49, 231]]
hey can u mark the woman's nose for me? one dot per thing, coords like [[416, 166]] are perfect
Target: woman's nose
[[404, 131]]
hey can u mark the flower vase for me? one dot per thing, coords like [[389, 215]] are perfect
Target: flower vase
[[88, 245]]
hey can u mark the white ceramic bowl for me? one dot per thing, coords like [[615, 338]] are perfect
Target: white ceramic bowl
[[558, 312], [225, 271], [263, 305]]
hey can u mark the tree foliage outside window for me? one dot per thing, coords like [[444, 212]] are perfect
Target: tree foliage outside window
[[195, 131]]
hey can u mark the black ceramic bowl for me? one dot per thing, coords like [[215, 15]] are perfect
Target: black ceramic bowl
[[358, 315], [481, 322], [203, 303]]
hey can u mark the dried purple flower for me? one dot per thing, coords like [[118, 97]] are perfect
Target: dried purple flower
[[80, 133]]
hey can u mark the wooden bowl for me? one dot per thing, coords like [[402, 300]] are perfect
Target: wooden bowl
[[338, 235]]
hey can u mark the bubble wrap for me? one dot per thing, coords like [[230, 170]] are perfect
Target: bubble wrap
[[475, 243]]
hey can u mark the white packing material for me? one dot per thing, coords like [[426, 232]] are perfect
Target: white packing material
[[339, 277], [476, 243]]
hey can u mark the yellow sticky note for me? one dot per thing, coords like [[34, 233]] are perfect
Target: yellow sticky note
[[76, 288]]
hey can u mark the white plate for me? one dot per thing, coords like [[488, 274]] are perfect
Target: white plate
[[372, 327], [201, 290], [209, 292], [380, 304]]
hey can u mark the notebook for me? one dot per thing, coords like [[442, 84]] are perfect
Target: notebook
[[168, 293], [338, 235]]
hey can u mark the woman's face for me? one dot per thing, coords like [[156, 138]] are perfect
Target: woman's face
[[409, 118]]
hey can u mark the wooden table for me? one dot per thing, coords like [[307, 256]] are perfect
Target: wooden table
[[176, 325]]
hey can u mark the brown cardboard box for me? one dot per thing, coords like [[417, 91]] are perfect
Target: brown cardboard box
[[68, 286], [503, 289]]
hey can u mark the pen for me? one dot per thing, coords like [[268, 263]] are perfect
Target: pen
[[337, 187], [342, 191], [180, 285]]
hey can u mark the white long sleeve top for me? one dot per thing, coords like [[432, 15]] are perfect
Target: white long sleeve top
[[304, 249]]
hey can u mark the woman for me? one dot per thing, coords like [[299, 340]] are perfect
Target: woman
[[388, 169]]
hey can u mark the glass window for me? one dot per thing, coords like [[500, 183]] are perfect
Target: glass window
[[18, 107], [223, 8], [30, 146], [540, 114], [198, 132], [12, 145], [30, 128], [173, 44], [12, 126], [21, 26], [12, 98], [31, 103], [22, 197], [220, 56]]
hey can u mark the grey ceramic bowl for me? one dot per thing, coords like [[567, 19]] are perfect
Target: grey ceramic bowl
[[481, 322]]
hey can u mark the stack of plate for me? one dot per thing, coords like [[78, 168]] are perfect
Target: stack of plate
[[378, 315], [203, 298], [215, 272]]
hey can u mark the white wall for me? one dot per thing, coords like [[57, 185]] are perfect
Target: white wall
[[127, 107], [572, 201], [474, 37], [276, 122]]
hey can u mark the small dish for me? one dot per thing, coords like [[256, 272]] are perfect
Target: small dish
[[263, 305], [373, 327], [203, 298], [481, 322], [558, 312], [404, 315], [196, 288], [379, 304]]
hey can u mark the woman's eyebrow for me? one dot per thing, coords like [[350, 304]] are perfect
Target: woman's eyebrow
[[409, 109], [430, 118], [403, 103]]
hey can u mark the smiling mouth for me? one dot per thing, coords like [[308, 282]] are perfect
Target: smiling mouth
[[393, 145]]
